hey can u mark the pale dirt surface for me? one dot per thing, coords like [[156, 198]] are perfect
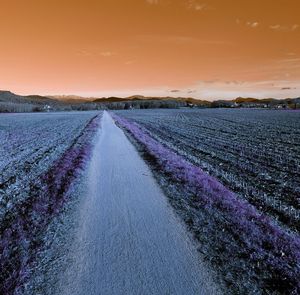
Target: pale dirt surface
[[129, 241]]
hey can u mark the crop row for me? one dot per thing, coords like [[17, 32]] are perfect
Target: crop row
[[255, 153], [42, 194], [237, 236]]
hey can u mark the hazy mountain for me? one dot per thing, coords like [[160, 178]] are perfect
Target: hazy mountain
[[7, 96], [71, 98], [10, 102]]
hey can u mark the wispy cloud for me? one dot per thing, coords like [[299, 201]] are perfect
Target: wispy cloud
[[180, 39], [232, 89], [198, 6], [95, 52], [289, 60], [152, 1], [218, 89], [130, 62], [252, 24], [291, 54], [275, 27], [288, 88], [107, 53], [284, 28], [194, 5], [83, 53]]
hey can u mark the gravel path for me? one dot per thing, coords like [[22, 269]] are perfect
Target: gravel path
[[129, 241]]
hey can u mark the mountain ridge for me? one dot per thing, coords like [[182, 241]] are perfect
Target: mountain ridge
[[10, 101]]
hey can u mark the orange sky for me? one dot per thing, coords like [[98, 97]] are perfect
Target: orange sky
[[204, 49]]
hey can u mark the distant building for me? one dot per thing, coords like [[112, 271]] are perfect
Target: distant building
[[47, 108]]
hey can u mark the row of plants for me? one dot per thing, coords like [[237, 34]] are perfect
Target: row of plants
[[270, 254], [23, 227]]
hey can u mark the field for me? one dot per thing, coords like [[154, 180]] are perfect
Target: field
[[255, 153], [249, 207], [40, 156], [231, 175]]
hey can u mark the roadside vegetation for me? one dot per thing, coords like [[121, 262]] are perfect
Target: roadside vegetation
[[41, 155], [233, 176]]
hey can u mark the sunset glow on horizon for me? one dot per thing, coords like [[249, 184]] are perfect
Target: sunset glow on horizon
[[210, 49]]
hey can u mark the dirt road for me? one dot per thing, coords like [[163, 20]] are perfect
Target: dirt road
[[129, 241]]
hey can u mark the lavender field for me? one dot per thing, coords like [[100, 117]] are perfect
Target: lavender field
[[40, 155], [234, 177]]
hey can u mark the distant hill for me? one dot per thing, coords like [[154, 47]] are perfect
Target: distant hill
[[11, 102], [80, 99], [115, 99], [190, 100], [7, 96], [147, 98], [253, 100], [71, 98]]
